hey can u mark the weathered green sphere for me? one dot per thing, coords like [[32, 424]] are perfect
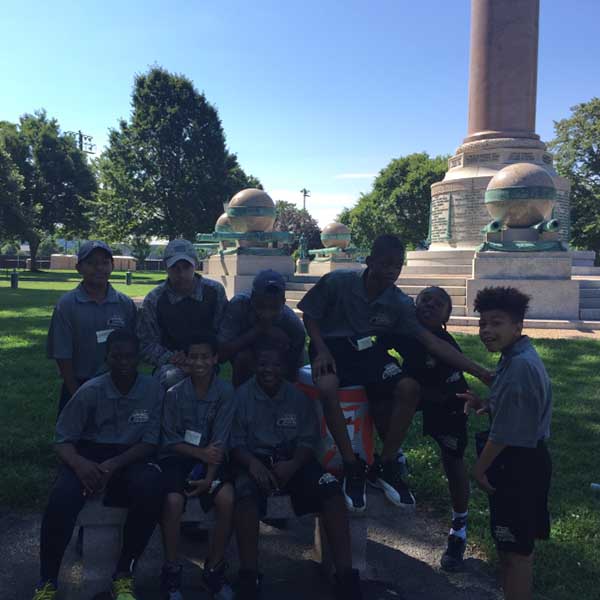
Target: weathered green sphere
[[335, 235], [251, 210], [223, 224]]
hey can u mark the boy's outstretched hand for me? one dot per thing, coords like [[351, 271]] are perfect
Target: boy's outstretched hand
[[473, 402], [323, 364]]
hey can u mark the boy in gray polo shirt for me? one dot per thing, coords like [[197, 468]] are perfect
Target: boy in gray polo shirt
[[105, 437], [185, 305], [254, 317], [84, 317], [341, 314], [196, 425], [273, 441], [514, 466]]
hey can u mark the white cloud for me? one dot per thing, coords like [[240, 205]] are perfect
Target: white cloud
[[324, 207], [355, 176]]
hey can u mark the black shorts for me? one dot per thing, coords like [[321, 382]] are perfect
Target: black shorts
[[176, 470], [519, 507], [307, 488], [372, 367], [445, 421]]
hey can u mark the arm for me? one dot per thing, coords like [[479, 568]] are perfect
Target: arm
[[265, 478], [65, 366], [88, 472], [229, 349], [323, 363], [490, 451], [149, 333], [135, 453], [60, 345]]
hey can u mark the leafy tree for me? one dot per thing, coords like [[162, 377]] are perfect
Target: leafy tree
[[48, 246], [399, 202], [576, 149], [140, 249], [56, 180], [10, 249], [166, 171], [11, 186], [298, 221]]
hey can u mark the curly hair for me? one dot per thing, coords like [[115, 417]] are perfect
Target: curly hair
[[507, 299], [122, 335]]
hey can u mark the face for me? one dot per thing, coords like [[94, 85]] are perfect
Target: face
[[432, 309], [201, 360], [386, 268], [181, 275], [96, 268], [498, 330], [269, 370], [268, 306], [122, 359]]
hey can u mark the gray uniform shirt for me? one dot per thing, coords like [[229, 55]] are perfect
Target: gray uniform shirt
[[148, 327], [80, 326], [339, 303], [262, 423], [240, 317], [211, 416], [520, 398], [99, 413]]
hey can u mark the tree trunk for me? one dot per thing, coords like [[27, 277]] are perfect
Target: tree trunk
[[33, 240]]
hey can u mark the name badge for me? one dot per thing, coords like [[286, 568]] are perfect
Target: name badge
[[192, 437], [364, 343], [102, 335]]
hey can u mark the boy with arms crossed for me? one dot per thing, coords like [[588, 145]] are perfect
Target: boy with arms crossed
[[514, 467], [197, 417]]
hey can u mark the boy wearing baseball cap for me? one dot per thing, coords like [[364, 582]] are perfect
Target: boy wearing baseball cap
[[84, 317], [256, 316]]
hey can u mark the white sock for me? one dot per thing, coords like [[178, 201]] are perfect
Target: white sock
[[459, 520]]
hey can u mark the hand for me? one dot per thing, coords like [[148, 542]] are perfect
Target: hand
[[323, 364], [178, 359], [201, 486], [485, 376], [213, 454], [265, 479], [108, 467], [473, 402], [482, 481], [283, 471], [90, 474]]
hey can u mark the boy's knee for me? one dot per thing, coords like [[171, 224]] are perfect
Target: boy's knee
[[408, 391], [173, 504], [515, 560], [225, 498]]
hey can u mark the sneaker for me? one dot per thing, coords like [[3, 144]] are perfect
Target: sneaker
[[170, 582], [403, 462], [216, 583], [46, 591], [347, 587], [354, 485], [122, 587], [248, 587], [387, 477], [452, 559]]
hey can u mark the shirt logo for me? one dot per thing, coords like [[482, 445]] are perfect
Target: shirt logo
[[430, 362], [391, 370], [287, 421], [327, 479], [138, 416], [504, 534], [116, 321], [381, 320], [454, 377]]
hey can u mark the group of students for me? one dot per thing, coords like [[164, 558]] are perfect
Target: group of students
[[151, 442]]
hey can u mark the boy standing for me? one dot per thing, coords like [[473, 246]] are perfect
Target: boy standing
[[185, 305], [273, 441], [263, 314], [105, 437], [197, 417], [514, 466], [84, 317], [341, 314]]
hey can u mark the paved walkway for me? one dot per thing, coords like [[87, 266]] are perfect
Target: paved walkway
[[404, 550]]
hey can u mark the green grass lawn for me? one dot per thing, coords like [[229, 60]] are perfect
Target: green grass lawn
[[567, 567]]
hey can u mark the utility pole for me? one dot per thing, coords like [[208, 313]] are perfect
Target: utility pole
[[305, 194], [84, 141]]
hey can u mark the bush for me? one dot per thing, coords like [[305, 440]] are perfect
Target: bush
[[10, 249]]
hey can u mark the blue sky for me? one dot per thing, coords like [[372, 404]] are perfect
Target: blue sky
[[317, 94]]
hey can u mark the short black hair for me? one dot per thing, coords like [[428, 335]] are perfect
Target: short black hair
[[196, 340], [269, 345], [441, 291], [122, 335], [387, 244], [508, 299]]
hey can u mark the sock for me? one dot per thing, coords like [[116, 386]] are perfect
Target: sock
[[400, 457], [459, 524]]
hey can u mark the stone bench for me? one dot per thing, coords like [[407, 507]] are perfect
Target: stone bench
[[100, 531]]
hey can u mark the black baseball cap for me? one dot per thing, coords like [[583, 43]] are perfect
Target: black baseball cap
[[87, 248], [268, 281]]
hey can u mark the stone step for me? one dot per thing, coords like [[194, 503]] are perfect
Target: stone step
[[458, 304], [464, 255], [589, 314], [413, 290], [589, 302], [589, 284], [426, 280], [440, 270], [298, 287], [585, 270], [592, 292]]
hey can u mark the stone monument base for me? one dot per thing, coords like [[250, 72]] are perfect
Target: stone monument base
[[320, 267]]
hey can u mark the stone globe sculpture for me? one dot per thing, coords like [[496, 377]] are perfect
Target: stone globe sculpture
[[335, 235], [223, 224], [521, 195], [251, 210]]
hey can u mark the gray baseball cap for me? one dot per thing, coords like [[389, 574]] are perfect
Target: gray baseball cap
[[180, 250], [88, 247], [268, 281]]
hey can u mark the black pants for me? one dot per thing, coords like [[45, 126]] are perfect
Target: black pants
[[137, 487]]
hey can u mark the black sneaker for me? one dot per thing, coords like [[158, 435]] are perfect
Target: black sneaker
[[347, 587], [170, 582], [452, 559], [354, 485], [248, 587], [216, 583], [387, 476]]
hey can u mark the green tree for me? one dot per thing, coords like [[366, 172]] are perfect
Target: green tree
[[47, 247], [166, 171], [576, 149], [56, 180], [399, 202], [11, 186], [298, 221]]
